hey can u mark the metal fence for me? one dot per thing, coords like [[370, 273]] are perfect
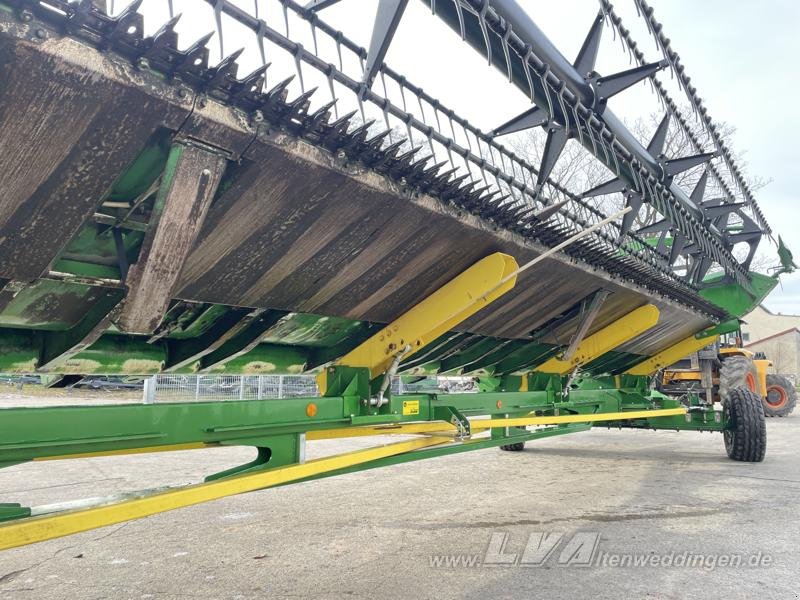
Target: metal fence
[[199, 388]]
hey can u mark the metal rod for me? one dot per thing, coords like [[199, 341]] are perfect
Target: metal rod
[[547, 253]]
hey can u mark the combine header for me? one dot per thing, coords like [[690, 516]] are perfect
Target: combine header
[[162, 214]]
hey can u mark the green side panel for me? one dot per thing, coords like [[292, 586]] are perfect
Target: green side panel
[[93, 253], [266, 359], [117, 354], [299, 329], [19, 351], [198, 326], [431, 368], [49, 305], [459, 362], [733, 298], [526, 358], [80, 268], [613, 362], [144, 170]]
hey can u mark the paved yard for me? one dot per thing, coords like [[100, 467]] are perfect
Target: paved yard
[[453, 527]]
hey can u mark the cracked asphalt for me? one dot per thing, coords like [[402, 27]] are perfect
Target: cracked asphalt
[[602, 514]]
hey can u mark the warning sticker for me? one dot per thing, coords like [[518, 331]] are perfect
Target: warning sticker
[[410, 407]]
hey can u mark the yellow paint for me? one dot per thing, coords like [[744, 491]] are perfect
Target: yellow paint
[[399, 428], [47, 527], [28, 366], [442, 428], [82, 365], [682, 376], [734, 351], [484, 424], [141, 366], [671, 355], [761, 370], [445, 308], [617, 333], [410, 407]]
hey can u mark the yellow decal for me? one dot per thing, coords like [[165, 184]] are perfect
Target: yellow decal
[[410, 407]]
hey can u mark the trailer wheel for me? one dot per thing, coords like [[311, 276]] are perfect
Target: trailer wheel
[[737, 372], [517, 447], [746, 438], [781, 396]]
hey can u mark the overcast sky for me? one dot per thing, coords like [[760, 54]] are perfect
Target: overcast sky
[[739, 55]]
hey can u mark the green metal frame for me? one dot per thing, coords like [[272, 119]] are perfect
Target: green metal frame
[[214, 338], [275, 427]]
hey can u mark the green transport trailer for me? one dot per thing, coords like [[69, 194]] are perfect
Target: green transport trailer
[[320, 214]]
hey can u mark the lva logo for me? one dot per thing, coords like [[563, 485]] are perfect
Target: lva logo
[[577, 549], [582, 549]]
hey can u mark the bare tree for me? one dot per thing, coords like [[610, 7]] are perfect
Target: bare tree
[[579, 171]]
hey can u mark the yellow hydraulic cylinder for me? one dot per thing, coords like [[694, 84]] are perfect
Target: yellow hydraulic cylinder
[[456, 301], [617, 333], [672, 354]]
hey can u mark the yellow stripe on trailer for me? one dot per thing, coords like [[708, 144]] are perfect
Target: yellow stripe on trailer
[[38, 529], [558, 420], [443, 428], [431, 427]]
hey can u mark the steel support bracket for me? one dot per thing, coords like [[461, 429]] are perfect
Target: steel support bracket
[[455, 418]]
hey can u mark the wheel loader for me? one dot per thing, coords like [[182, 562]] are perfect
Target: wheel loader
[[724, 366]]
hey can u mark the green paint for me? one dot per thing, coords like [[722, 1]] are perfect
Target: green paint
[[732, 297], [116, 354], [189, 328], [728, 326], [313, 331], [9, 511], [786, 258], [144, 171], [612, 362], [267, 359], [466, 446], [49, 305], [19, 352], [92, 252]]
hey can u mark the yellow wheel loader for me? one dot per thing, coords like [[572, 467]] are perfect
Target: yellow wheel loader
[[722, 367]]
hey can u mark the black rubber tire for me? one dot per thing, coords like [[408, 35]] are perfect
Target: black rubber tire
[[517, 447], [746, 440], [787, 396], [734, 374]]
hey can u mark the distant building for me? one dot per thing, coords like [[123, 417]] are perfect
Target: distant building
[[777, 336]]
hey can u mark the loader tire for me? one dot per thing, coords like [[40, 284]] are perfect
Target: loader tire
[[781, 396], [517, 447], [737, 372], [746, 436]]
